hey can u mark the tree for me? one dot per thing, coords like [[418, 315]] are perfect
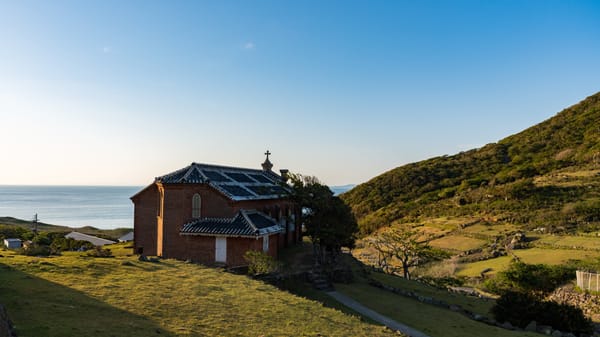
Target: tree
[[406, 245], [328, 221]]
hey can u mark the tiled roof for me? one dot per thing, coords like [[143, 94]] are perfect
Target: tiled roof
[[234, 182], [245, 223]]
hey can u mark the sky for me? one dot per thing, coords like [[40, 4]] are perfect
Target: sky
[[119, 92]]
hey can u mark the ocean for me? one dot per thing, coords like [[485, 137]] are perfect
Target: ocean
[[104, 207]]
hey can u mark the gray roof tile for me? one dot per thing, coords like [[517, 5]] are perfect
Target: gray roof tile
[[245, 223], [234, 182]]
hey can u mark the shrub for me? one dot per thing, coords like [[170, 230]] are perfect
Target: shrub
[[520, 308], [63, 244], [98, 251], [260, 263], [36, 250], [535, 279]]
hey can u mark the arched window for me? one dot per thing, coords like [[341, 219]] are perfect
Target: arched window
[[196, 205]]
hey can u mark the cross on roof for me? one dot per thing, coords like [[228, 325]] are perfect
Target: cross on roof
[[267, 153]]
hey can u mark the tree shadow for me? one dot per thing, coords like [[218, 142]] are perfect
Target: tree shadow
[[40, 307]]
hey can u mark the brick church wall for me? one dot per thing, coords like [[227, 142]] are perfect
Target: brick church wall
[[177, 210], [144, 231]]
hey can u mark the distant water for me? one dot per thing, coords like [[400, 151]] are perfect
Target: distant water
[[104, 207], [337, 190]]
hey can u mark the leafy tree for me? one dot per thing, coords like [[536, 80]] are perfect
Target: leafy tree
[[523, 288], [327, 220], [406, 245], [535, 279]]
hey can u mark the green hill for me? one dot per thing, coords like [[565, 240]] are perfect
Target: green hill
[[111, 234], [547, 175]]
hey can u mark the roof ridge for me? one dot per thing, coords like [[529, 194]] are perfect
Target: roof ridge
[[229, 167], [248, 220]]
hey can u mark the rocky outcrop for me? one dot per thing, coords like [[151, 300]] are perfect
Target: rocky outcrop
[[590, 304]]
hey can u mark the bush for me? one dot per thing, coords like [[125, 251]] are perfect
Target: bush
[[535, 279], [36, 250], [520, 308], [62, 244], [260, 263], [98, 251]]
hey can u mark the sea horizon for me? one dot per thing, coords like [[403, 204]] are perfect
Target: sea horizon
[[100, 206]]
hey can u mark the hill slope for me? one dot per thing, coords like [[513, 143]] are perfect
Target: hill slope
[[76, 295], [547, 175]]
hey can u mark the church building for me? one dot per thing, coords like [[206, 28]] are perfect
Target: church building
[[213, 214]]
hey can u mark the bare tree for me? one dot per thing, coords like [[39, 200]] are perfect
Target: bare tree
[[404, 244]]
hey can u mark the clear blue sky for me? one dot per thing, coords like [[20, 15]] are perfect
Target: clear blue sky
[[118, 92]]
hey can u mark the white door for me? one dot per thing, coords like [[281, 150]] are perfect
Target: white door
[[220, 249]]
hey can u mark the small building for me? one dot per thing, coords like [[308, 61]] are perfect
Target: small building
[[12, 243], [127, 237], [214, 214], [96, 241]]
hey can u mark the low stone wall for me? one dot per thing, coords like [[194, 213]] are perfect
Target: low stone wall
[[6, 328], [590, 304]]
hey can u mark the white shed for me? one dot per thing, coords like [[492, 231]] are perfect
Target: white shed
[[12, 243]]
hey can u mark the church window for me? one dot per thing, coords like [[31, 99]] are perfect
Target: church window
[[196, 205]]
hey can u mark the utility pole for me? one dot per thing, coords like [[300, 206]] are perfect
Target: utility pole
[[35, 222]]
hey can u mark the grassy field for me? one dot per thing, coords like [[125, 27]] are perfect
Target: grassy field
[[491, 230], [76, 295], [457, 243], [474, 304], [586, 242], [433, 321], [531, 256]]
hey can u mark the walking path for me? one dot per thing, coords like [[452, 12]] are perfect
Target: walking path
[[390, 323]]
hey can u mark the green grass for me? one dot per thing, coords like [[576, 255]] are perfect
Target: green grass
[[491, 230], [74, 295], [531, 256], [474, 304], [433, 321], [457, 243], [570, 241]]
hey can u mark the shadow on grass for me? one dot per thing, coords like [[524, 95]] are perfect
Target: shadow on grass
[[39, 307]]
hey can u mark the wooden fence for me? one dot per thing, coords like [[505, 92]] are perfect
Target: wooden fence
[[588, 281]]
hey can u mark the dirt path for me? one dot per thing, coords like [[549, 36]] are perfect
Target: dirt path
[[390, 323]]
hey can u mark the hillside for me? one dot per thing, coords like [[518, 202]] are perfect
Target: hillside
[[547, 175], [77, 295], [112, 234]]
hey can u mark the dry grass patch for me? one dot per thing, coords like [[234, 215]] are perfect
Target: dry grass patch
[[491, 230], [531, 256], [457, 243]]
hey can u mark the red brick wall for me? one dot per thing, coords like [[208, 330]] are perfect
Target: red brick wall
[[236, 247], [197, 248], [177, 210], [144, 217]]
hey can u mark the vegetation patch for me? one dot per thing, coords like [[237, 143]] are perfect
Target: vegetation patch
[[457, 243], [77, 296]]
